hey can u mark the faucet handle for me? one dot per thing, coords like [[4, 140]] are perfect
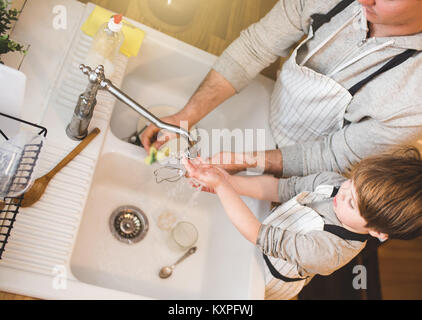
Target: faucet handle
[[85, 69], [94, 76]]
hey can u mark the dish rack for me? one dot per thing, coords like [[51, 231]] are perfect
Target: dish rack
[[24, 171]]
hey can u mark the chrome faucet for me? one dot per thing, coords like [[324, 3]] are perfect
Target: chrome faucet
[[78, 126]]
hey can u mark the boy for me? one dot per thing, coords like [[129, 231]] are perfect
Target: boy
[[324, 219]]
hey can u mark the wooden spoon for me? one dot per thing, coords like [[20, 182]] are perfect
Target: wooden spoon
[[37, 189]]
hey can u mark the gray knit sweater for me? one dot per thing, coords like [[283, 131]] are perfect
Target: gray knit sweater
[[385, 112]]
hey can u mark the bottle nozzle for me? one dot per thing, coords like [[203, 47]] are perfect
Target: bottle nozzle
[[118, 18]]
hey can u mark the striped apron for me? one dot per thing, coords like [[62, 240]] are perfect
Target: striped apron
[[282, 279], [307, 105]]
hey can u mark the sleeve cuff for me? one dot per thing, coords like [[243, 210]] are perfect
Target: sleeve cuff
[[292, 160], [232, 71], [260, 240], [284, 193]]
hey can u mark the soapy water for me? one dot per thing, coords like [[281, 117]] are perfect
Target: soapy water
[[174, 186], [179, 191], [186, 195]]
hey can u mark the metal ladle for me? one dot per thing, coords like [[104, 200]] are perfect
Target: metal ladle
[[167, 271]]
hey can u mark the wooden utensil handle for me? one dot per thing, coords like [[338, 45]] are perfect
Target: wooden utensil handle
[[73, 153]]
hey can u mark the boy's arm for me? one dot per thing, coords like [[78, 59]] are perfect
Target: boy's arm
[[218, 180], [238, 212], [258, 187]]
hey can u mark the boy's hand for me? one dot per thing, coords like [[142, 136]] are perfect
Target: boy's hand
[[209, 176]]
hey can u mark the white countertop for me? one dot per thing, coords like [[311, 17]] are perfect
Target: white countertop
[[36, 258]]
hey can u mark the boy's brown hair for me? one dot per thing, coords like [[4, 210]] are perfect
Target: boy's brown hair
[[389, 192]]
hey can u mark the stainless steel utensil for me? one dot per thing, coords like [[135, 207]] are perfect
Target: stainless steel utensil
[[174, 171], [169, 173], [167, 271]]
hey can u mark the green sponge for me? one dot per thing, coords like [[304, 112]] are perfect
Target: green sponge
[[155, 155], [152, 157]]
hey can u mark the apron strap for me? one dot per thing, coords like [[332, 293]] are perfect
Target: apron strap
[[344, 233], [318, 19], [335, 191], [278, 275], [394, 62]]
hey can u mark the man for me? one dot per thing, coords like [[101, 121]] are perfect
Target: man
[[349, 90]]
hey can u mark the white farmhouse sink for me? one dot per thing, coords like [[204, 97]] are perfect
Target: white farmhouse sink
[[216, 271], [167, 72]]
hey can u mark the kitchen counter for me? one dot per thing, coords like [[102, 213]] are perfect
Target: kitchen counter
[[39, 248]]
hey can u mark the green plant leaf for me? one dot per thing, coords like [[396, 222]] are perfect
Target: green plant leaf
[[6, 17]]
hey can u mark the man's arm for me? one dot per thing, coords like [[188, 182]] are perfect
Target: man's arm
[[256, 48], [336, 152], [269, 188], [281, 190], [347, 146], [291, 187], [268, 162], [263, 42], [213, 91]]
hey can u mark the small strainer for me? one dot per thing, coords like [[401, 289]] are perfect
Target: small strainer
[[169, 173], [173, 170]]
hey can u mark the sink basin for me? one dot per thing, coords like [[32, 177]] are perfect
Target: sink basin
[[100, 259], [167, 73]]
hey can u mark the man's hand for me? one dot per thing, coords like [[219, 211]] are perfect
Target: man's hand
[[213, 91], [149, 136], [231, 162], [269, 161]]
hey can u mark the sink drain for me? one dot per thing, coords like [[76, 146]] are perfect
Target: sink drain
[[128, 224]]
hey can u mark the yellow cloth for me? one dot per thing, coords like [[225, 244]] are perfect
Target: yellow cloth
[[133, 36]]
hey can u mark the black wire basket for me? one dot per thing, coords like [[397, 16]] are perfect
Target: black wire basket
[[9, 205]]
